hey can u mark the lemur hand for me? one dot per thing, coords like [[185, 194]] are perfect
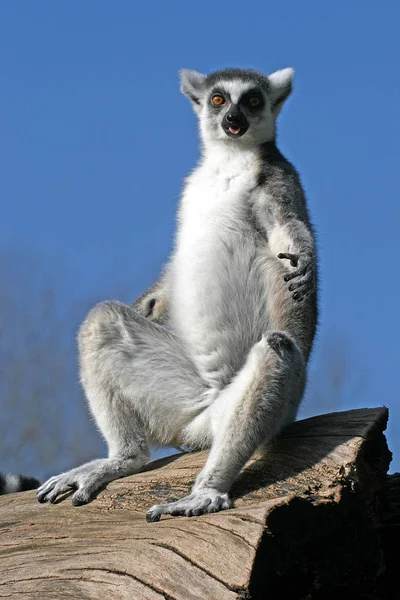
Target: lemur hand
[[305, 285]]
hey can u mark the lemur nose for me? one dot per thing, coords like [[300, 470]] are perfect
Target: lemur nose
[[232, 118]]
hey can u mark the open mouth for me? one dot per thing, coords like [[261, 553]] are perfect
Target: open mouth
[[235, 132]]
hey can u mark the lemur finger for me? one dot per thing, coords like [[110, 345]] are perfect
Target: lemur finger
[[60, 488], [41, 497], [80, 497], [50, 491], [195, 512], [154, 514], [297, 284], [48, 482], [297, 296], [294, 258], [216, 505], [297, 273], [44, 489]]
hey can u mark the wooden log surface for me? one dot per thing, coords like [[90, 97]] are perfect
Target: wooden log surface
[[304, 520]]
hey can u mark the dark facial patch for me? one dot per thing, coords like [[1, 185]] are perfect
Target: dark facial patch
[[248, 100]]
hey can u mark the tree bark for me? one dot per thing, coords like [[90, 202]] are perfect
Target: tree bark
[[312, 519]]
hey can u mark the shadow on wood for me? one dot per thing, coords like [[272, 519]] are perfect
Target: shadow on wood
[[310, 520]]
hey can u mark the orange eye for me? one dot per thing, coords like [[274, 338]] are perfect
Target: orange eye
[[218, 100]]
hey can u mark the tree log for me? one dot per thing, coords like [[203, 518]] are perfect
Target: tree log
[[307, 523]]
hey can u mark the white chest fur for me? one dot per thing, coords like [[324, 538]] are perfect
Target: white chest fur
[[214, 206], [214, 286]]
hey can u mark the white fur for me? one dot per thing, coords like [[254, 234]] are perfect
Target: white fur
[[281, 79], [236, 89], [213, 224], [11, 484], [280, 87]]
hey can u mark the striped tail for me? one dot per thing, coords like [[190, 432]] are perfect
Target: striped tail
[[17, 483]]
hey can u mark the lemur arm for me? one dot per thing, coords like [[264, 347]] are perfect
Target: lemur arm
[[153, 303], [292, 239], [290, 236]]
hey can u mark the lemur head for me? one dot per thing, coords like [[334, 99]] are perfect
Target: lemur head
[[237, 105]]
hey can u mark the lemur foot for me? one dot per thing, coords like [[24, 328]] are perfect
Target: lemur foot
[[83, 480], [305, 271], [197, 503]]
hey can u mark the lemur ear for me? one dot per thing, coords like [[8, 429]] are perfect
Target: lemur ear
[[280, 87], [192, 85]]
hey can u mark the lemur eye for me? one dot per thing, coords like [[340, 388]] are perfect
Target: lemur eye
[[218, 100], [254, 101]]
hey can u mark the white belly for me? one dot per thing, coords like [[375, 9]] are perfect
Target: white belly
[[218, 298]]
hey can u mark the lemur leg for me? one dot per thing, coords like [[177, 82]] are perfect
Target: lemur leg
[[140, 384], [248, 412]]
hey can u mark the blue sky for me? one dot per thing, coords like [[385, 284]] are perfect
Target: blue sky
[[96, 139]]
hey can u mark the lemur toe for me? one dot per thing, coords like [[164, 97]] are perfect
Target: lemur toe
[[153, 515], [79, 499], [49, 491]]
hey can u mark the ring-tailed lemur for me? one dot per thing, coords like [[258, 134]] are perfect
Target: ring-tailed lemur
[[16, 483], [215, 354]]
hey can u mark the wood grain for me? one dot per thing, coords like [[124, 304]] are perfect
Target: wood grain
[[322, 477]]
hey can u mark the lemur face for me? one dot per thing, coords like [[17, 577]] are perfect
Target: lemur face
[[233, 109], [237, 104]]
